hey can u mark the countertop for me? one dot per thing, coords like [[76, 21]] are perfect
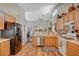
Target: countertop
[[74, 41], [51, 34], [2, 40]]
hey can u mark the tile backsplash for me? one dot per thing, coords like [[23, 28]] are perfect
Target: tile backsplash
[[0, 34]]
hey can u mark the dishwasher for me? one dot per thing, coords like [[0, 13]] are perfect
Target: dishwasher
[[40, 41]]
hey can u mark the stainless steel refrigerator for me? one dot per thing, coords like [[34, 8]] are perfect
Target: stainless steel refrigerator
[[13, 31]]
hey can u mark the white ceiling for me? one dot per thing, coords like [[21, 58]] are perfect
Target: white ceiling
[[37, 11], [14, 10]]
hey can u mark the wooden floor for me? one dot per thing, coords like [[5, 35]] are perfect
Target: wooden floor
[[30, 50]]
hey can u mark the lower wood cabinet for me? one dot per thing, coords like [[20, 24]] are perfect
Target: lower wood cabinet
[[72, 49], [34, 41], [51, 41], [5, 48], [47, 41]]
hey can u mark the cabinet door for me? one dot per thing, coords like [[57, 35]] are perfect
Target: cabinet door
[[1, 25], [57, 25], [71, 16], [1, 21], [34, 41], [60, 24], [72, 49], [76, 19], [51, 41], [65, 19], [5, 48], [10, 19]]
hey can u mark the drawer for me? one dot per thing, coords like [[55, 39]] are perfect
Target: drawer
[[5, 43], [5, 48], [73, 45], [5, 51], [72, 51]]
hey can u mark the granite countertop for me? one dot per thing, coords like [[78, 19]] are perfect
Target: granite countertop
[[2, 40], [74, 41]]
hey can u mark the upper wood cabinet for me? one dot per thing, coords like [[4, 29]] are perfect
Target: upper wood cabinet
[[59, 25], [76, 19], [71, 16], [10, 19], [65, 19], [1, 25], [1, 21]]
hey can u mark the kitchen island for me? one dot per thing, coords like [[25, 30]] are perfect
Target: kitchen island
[[51, 40], [45, 40]]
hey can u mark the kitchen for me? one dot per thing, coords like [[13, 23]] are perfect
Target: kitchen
[[52, 28]]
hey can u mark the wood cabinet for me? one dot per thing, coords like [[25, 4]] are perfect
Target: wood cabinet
[[10, 19], [51, 41], [5, 17], [59, 24], [76, 19], [1, 25], [72, 49], [1, 21], [5, 48], [64, 22], [71, 16], [65, 19], [34, 41]]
